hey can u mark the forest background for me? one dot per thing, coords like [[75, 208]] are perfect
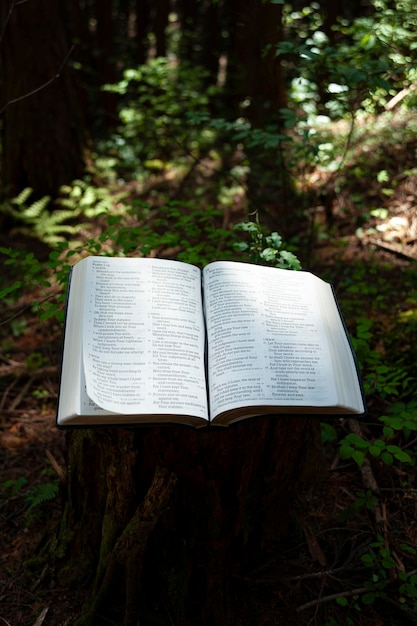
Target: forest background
[[258, 130]]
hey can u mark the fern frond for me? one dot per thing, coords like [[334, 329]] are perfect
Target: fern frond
[[41, 493], [23, 196], [36, 209]]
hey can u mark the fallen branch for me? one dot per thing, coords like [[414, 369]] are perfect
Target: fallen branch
[[342, 594], [391, 104], [41, 617], [394, 249], [332, 596], [57, 468]]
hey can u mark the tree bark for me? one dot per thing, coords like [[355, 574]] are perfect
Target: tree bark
[[43, 137], [161, 20], [143, 20], [167, 518], [106, 62], [254, 72], [255, 89]]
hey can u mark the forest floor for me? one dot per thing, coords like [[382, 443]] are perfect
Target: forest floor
[[336, 530]]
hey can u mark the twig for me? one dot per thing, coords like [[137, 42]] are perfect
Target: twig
[[41, 617], [21, 395], [6, 21], [41, 87], [27, 307], [7, 391], [343, 594], [328, 573], [56, 466], [394, 249], [391, 104], [332, 596]]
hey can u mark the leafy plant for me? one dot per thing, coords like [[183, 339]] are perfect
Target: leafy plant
[[265, 249], [380, 375], [39, 494], [158, 97], [38, 220], [360, 68], [34, 495], [90, 201], [356, 448], [11, 487]]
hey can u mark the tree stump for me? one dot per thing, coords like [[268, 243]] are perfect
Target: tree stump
[[160, 520]]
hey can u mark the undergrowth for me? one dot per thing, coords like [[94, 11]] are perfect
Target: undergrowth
[[382, 447]]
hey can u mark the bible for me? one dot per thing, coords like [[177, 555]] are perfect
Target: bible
[[161, 341]]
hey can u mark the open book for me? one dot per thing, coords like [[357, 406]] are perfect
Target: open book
[[153, 341]]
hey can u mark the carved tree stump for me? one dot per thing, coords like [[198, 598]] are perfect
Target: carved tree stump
[[159, 520]]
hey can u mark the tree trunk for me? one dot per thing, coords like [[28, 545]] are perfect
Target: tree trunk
[[106, 62], [254, 72], [255, 89], [161, 20], [43, 137], [143, 19], [168, 518]]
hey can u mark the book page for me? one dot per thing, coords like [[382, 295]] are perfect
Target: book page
[[267, 342], [143, 337]]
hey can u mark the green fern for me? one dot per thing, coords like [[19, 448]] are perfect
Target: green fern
[[20, 200], [41, 493], [91, 201], [31, 212], [37, 221]]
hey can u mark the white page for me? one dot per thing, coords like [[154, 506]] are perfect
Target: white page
[[143, 337], [267, 338]]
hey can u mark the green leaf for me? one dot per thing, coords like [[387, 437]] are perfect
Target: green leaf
[[403, 457], [393, 449], [276, 240], [387, 458], [368, 559], [269, 254], [241, 246], [374, 450], [290, 258], [388, 432], [395, 422], [388, 562], [369, 598], [345, 451], [42, 493], [358, 457], [328, 433], [8, 290]]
